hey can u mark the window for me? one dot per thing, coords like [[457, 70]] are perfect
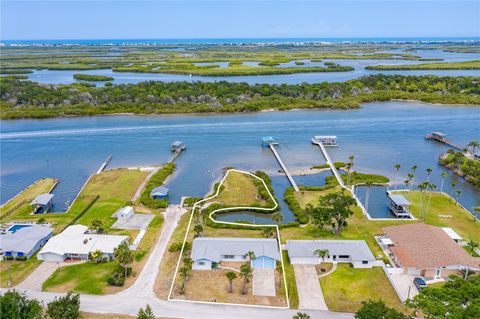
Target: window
[[343, 256], [201, 263], [365, 262], [228, 256]]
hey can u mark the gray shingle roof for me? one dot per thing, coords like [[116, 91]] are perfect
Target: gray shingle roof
[[42, 199], [213, 248], [24, 239], [357, 249], [399, 200]]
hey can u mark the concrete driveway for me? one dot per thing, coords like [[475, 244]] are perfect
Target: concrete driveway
[[405, 286], [309, 291], [36, 279], [263, 282]]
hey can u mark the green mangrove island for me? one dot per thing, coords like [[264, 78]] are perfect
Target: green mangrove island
[[26, 99], [91, 77], [468, 65]]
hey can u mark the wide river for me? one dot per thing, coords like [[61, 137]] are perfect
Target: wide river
[[66, 77], [379, 135]]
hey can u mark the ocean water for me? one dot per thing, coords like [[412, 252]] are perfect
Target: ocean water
[[379, 135]]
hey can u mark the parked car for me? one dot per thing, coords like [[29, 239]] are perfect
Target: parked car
[[419, 283]]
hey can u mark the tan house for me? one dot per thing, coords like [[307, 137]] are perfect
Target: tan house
[[428, 251]]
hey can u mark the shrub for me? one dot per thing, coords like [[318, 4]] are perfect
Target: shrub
[[117, 277], [21, 258], [156, 180], [176, 247], [8, 257]]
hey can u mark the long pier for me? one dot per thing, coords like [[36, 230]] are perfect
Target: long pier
[[329, 162], [104, 165], [284, 167], [442, 138]]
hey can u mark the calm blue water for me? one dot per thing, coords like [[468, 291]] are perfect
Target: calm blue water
[[379, 135], [66, 76], [230, 40]]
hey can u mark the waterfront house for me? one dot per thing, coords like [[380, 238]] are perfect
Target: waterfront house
[[428, 251], [160, 192], [75, 243], [356, 252], [42, 203], [23, 240], [399, 205], [207, 253]]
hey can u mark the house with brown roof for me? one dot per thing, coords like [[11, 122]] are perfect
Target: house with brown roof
[[425, 250]]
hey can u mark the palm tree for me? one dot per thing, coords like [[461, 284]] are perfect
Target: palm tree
[[431, 187], [184, 273], [422, 187], [198, 229], [407, 184], [442, 175], [188, 262], [429, 171], [458, 193], [277, 217], [472, 245], [474, 144], [301, 315], [477, 213], [367, 197], [267, 232], [397, 167], [97, 226], [410, 179], [321, 253], [453, 188], [124, 256], [350, 158], [280, 271], [251, 256], [246, 274], [231, 276]]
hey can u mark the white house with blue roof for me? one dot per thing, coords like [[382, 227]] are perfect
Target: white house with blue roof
[[208, 252]]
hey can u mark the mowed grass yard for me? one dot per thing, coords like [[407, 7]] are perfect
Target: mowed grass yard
[[347, 287], [88, 278], [460, 220]]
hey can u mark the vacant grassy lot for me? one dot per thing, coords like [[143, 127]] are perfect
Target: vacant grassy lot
[[238, 189], [346, 288], [40, 186], [311, 197], [88, 278]]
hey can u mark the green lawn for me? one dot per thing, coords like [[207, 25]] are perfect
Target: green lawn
[[17, 270], [291, 283], [461, 221], [40, 186], [346, 288], [238, 189], [88, 278]]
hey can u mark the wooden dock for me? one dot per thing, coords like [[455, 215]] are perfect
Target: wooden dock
[[104, 165], [284, 167], [174, 155], [441, 138], [329, 162]]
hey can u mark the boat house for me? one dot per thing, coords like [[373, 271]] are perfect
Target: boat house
[[178, 146], [21, 241], [356, 252], [42, 203], [267, 140], [207, 253], [399, 206], [326, 140], [160, 192]]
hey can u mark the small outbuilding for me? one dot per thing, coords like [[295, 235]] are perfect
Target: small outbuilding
[[160, 192], [42, 203], [23, 240], [124, 213]]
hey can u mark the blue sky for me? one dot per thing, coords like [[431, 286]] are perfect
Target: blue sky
[[236, 19]]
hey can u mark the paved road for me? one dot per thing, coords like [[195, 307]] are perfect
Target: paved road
[[310, 293], [141, 293]]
